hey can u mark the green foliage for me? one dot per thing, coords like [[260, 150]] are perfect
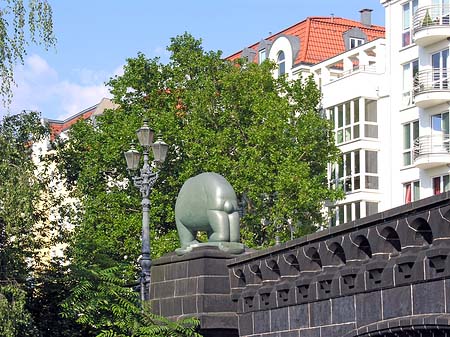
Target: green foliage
[[21, 20], [103, 301], [25, 230], [15, 320], [51, 286], [20, 190], [427, 20], [266, 136]]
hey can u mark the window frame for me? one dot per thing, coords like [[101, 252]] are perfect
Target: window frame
[[352, 173], [409, 71], [414, 191], [444, 184], [407, 29], [359, 126], [281, 63], [355, 41], [408, 151], [262, 55]]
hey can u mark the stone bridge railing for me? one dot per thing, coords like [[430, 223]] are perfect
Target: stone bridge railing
[[385, 273]]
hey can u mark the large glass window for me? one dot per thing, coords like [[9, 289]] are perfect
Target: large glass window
[[347, 121], [281, 63], [349, 175], [410, 134], [409, 9]]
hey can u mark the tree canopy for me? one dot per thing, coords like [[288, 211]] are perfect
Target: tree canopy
[[266, 136], [21, 22]]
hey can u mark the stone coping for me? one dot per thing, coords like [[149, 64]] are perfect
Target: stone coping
[[390, 214], [197, 253]]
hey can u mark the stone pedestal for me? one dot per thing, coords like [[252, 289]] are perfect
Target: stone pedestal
[[195, 284]]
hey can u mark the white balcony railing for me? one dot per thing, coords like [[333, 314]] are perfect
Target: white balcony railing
[[431, 151], [431, 80], [431, 16], [431, 87]]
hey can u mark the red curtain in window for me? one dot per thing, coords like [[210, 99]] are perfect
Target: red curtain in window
[[408, 193], [437, 185]]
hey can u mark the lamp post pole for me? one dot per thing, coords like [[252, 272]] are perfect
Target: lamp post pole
[[145, 181]]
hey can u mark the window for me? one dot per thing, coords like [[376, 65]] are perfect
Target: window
[[281, 64], [440, 133], [347, 121], [357, 170], [370, 119], [411, 191], [409, 9], [371, 170], [439, 62], [440, 124], [341, 214], [371, 208], [410, 134], [344, 213], [261, 56], [355, 42], [410, 70], [440, 12], [441, 184]]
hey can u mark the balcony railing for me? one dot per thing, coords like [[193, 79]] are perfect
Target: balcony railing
[[431, 145], [429, 16], [431, 80]]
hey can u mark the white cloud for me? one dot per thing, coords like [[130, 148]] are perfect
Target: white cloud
[[40, 87], [37, 66]]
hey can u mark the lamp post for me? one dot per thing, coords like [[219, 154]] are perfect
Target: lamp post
[[145, 181]]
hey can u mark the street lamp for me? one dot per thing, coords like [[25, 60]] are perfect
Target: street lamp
[[145, 181]]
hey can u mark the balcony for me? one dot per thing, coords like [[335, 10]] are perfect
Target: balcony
[[431, 24], [431, 151], [431, 87]]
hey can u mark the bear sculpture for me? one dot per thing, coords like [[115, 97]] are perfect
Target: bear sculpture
[[207, 202]]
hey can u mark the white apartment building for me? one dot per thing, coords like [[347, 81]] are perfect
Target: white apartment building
[[389, 101], [419, 97], [388, 98]]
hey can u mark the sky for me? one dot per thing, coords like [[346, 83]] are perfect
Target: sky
[[96, 37]]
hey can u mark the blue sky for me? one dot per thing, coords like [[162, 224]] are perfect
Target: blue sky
[[95, 37]]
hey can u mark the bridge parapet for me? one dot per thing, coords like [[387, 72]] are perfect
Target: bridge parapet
[[384, 268]]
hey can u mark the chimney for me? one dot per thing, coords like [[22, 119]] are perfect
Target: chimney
[[366, 16]]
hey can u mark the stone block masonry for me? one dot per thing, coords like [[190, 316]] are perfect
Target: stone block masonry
[[195, 284], [385, 275]]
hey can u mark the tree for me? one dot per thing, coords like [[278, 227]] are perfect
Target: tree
[[31, 285], [267, 136], [15, 320], [20, 192], [21, 22]]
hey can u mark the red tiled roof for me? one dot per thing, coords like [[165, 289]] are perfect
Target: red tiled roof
[[57, 126], [320, 37]]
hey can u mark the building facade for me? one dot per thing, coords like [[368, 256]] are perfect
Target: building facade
[[387, 95]]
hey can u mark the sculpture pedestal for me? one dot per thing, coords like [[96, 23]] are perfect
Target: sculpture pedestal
[[195, 284]]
